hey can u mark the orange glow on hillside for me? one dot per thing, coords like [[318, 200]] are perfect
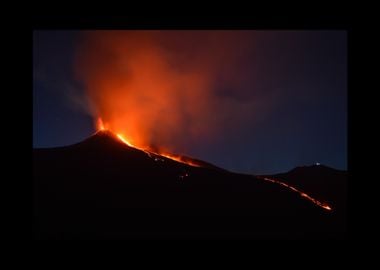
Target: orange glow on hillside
[[302, 194], [179, 159], [325, 206], [101, 127], [124, 140]]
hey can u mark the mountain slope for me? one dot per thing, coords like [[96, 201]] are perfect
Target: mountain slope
[[322, 182], [102, 188]]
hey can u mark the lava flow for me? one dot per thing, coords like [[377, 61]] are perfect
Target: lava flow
[[156, 155], [179, 159], [303, 194], [102, 127], [121, 137]]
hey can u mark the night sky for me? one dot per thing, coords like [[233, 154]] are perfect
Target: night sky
[[297, 80]]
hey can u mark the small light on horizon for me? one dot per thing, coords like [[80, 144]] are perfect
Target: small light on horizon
[[317, 163]]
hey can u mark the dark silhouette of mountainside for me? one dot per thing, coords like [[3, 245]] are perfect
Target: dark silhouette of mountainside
[[103, 189], [322, 182]]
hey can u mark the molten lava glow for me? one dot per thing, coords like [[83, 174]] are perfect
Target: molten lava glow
[[179, 159], [151, 153], [304, 195], [121, 137], [100, 124], [124, 140]]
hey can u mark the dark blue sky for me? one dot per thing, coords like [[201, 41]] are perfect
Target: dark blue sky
[[306, 122]]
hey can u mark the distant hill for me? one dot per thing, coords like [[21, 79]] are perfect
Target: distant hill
[[322, 182]]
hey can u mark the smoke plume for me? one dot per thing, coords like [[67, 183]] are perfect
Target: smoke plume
[[167, 89]]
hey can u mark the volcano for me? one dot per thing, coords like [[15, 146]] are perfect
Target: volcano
[[103, 188]]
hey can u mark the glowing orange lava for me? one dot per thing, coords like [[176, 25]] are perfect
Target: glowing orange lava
[[179, 159], [102, 127], [100, 124], [124, 140], [303, 194]]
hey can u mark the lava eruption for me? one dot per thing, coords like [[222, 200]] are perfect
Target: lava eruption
[[159, 89], [101, 127]]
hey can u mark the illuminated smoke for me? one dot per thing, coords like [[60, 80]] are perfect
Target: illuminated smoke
[[162, 89]]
